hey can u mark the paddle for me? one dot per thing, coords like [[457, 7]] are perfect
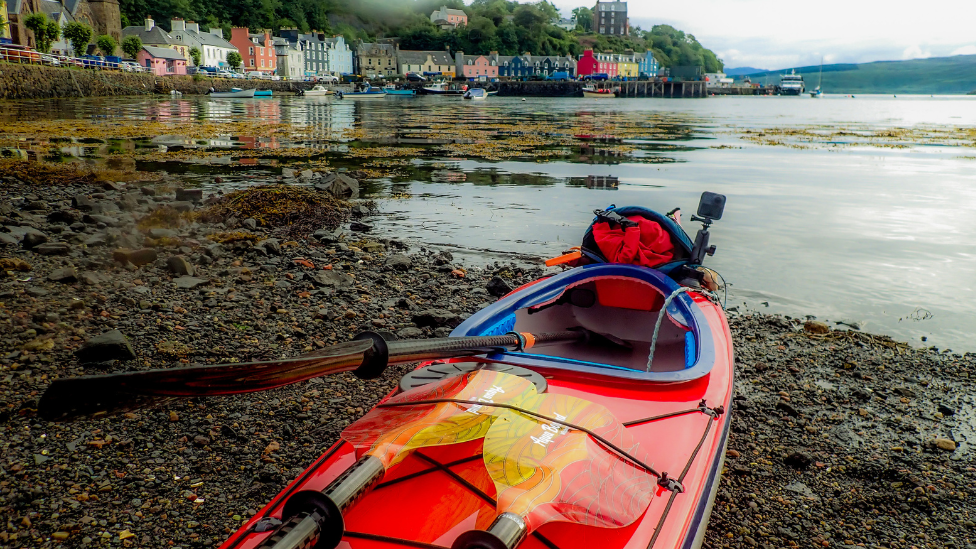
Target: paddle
[[547, 471], [385, 436], [366, 356]]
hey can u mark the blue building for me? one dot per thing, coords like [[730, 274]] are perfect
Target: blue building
[[647, 65]]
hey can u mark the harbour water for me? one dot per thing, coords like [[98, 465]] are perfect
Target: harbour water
[[856, 210]]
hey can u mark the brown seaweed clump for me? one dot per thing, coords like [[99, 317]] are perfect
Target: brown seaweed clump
[[292, 211], [66, 174]]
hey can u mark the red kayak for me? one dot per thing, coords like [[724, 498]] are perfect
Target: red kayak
[[573, 445]]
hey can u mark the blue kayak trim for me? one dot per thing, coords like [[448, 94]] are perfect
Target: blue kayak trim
[[500, 318]]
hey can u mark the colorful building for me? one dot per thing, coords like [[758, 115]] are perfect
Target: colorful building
[[213, 48], [448, 18], [156, 37], [162, 61], [627, 66], [431, 63], [374, 60], [549, 65], [291, 62], [475, 67], [338, 55], [257, 50], [647, 64], [596, 63], [313, 49]]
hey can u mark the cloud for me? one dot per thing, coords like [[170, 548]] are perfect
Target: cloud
[[965, 50], [915, 52]]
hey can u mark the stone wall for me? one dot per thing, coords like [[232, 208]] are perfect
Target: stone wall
[[40, 82]]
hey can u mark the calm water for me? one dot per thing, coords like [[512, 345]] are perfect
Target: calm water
[[845, 230]]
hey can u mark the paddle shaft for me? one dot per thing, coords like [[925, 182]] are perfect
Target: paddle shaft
[[366, 356]]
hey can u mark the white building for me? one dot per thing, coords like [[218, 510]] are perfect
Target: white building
[[717, 80], [291, 59], [338, 56], [213, 48]]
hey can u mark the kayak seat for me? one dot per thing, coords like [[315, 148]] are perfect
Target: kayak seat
[[681, 243], [623, 301]]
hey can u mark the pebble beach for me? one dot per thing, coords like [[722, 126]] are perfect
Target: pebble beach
[[840, 438]]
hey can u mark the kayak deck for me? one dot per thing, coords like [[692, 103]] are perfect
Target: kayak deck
[[438, 493]]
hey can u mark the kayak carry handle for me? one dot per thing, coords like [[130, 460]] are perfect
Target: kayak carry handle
[[506, 532]]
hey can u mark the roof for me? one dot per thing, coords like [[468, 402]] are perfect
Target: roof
[[210, 39], [449, 11], [418, 57], [368, 47], [154, 35], [164, 53]]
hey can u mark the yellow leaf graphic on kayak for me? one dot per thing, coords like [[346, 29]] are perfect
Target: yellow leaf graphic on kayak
[[391, 433], [545, 471]]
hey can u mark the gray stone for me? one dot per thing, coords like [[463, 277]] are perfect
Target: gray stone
[[215, 250], [341, 186], [136, 257], [189, 195], [104, 207], [410, 333], [8, 240], [162, 233], [333, 279], [498, 287], [306, 175], [360, 227], [34, 238], [251, 223], [66, 275], [182, 206], [271, 246], [326, 236], [98, 239], [288, 173], [109, 221], [189, 282], [436, 318], [179, 265], [53, 248], [108, 346], [399, 262], [90, 279], [442, 332], [64, 216]]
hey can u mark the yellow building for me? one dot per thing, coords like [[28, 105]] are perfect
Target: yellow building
[[4, 22], [430, 62], [627, 65]]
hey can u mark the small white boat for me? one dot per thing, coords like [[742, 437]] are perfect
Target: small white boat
[[233, 94], [598, 94], [475, 94], [443, 88], [317, 90]]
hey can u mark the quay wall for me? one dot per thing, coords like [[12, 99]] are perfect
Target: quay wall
[[41, 82]]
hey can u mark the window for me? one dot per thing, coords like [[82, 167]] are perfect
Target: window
[[250, 51]]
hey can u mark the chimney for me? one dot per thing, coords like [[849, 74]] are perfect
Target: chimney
[[217, 31], [177, 25], [191, 26], [149, 23]]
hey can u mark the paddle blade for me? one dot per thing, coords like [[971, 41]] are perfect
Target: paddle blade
[[391, 433], [72, 398], [546, 472]]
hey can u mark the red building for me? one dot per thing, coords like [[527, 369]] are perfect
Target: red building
[[257, 50], [596, 63]]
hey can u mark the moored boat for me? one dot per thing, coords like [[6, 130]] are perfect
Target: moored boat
[[392, 90], [235, 93], [475, 94], [263, 93], [317, 90], [366, 92], [791, 84], [598, 94], [443, 88]]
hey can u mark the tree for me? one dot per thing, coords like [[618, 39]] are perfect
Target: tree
[[234, 60], [80, 35], [131, 46], [584, 18], [107, 45], [196, 56], [46, 31]]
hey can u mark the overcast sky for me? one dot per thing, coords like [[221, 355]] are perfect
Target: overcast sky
[[776, 34]]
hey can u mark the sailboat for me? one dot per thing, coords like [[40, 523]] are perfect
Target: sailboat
[[817, 92]]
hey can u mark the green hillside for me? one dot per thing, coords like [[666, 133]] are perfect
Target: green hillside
[[937, 75]]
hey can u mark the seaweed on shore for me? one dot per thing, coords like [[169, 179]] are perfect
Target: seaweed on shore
[[45, 173], [291, 211]]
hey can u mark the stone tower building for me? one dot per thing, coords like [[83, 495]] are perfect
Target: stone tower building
[[103, 16]]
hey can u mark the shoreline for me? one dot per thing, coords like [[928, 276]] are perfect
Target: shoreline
[[832, 433]]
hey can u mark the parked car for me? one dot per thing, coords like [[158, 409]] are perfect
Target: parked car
[[15, 53], [258, 74], [414, 77], [563, 75], [131, 66], [51, 60], [224, 74], [327, 79]]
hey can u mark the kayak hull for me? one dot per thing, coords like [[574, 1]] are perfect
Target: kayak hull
[[436, 494]]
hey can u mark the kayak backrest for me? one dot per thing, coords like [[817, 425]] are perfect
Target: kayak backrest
[[627, 301], [680, 241]]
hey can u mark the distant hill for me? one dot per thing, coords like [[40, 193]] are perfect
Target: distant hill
[[936, 75], [742, 70]]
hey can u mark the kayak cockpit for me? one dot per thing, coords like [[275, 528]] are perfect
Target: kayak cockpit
[[622, 301]]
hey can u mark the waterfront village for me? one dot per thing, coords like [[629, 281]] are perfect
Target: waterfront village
[[188, 48]]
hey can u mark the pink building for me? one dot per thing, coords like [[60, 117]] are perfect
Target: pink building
[[596, 63], [162, 61], [474, 67]]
